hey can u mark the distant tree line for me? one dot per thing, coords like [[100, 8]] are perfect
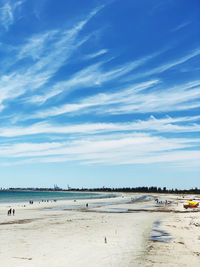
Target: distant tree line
[[33, 189], [142, 189]]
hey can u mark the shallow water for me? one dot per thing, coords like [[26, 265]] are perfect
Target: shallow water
[[159, 234], [26, 196], [105, 204], [113, 210]]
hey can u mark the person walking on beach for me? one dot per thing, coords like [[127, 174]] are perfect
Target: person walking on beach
[[13, 212], [9, 212]]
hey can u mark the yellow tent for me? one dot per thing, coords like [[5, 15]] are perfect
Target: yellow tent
[[193, 203]]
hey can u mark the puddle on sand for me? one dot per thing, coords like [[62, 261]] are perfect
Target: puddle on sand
[[157, 234], [117, 210], [110, 210], [103, 204]]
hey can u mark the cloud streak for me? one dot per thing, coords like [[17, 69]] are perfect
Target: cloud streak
[[49, 51], [166, 124], [59, 103], [7, 12], [135, 99], [119, 149]]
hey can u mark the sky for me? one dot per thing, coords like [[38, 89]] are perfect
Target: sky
[[100, 93]]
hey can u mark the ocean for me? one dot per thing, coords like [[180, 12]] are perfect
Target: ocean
[[26, 196]]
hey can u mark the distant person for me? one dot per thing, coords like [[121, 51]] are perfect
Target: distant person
[[86, 205], [9, 212], [13, 212]]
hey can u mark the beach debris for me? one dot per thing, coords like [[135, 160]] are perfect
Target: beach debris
[[23, 258], [197, 253]]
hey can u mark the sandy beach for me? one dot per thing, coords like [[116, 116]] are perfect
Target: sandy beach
[[129, 230]]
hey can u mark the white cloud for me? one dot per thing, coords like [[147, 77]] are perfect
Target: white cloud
[[159, 125], [99, 53], [37, 45], [49, 51], [41, 99], [95, 75], [180, 26], [7, 12], [36, 63], [119, 149], [133, 100], [166, 66], [6, 15]]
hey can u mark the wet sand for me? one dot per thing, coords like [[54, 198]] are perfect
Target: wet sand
[[110, 232]]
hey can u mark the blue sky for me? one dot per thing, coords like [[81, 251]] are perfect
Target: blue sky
[[100, 93]]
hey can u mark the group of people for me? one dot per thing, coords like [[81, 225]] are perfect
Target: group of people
[[46, 200], [11, 212], [161, 202]]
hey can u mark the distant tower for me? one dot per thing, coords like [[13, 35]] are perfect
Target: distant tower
[[56, 187]]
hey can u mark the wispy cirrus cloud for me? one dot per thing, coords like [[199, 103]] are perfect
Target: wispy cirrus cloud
[[7, 12], [48, 88], [98, 53], [39, 45], [160, 125], [119, 149], [135, 99], [166, 66], [97, 100], [95, 75], [181, 25], [40, 99], [49, 52]]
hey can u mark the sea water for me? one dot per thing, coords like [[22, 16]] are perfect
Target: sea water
[[26, 196]]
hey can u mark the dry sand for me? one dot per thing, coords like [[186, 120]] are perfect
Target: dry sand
[[99, 236]]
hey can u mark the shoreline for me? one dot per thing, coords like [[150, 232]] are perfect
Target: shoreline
[[51, 198]]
